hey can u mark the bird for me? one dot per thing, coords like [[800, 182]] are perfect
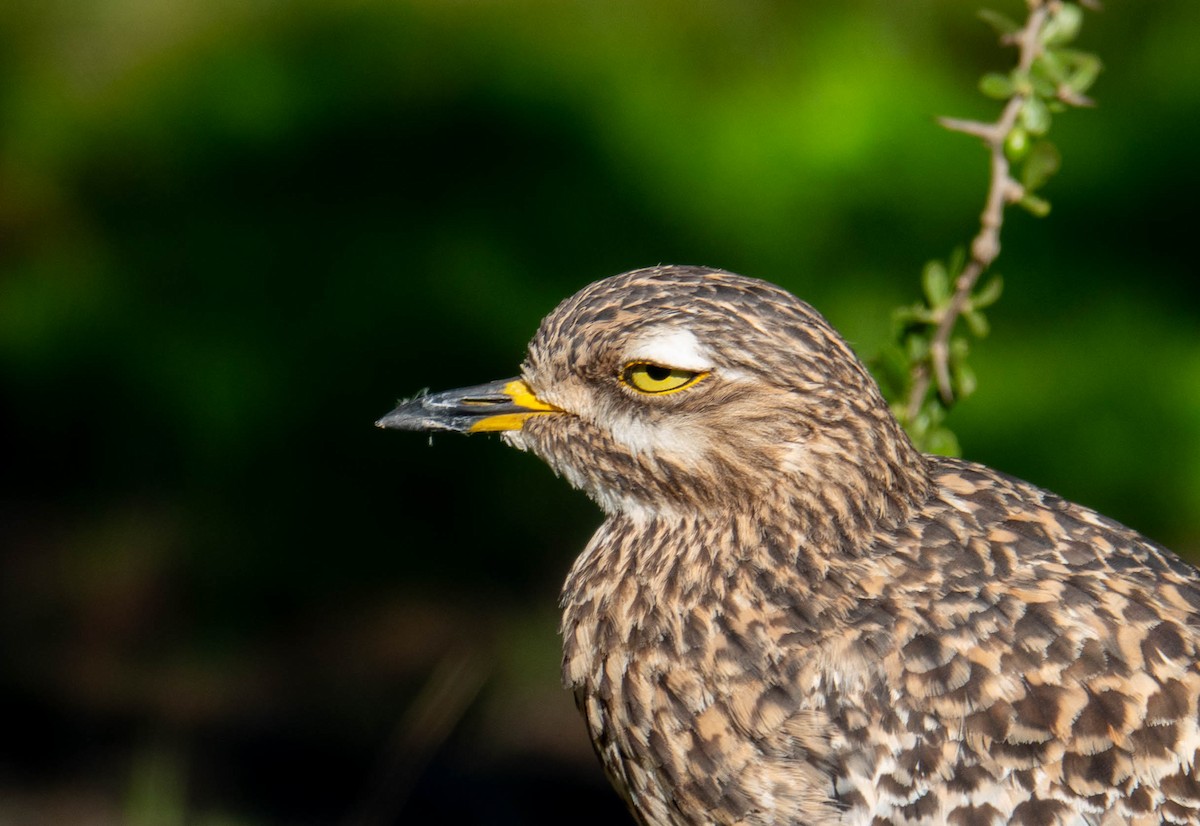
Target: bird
[[790, 615]]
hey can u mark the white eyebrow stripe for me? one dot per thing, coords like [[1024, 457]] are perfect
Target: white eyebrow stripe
[[672, 347]]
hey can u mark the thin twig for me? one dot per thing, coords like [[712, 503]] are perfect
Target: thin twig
[[1002, 191]]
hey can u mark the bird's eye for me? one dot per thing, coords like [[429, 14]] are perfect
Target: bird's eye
[[655, 378]]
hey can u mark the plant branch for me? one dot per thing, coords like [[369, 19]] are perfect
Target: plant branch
[[1003, 190]]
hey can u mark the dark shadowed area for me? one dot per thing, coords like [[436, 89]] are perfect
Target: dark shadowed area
[[232, 234]]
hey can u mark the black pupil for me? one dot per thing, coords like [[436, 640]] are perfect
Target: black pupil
[[657, 373]]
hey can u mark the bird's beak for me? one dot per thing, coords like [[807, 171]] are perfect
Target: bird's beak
[[500, 405]]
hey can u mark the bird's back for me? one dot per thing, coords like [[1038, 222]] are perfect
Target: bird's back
[[1041, 648]]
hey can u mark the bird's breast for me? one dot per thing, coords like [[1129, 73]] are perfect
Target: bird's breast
[[709, 682]]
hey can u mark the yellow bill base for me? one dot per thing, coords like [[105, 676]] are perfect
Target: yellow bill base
[[521, 396], [505, 421]]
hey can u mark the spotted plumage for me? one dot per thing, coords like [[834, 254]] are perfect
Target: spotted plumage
[[790, 616]]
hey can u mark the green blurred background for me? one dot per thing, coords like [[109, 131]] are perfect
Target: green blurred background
[[232, 233]]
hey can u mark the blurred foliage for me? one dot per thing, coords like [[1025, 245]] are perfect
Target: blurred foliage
[[231, 233]]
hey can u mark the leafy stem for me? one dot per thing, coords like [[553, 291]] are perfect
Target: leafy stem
[[1048, 78]]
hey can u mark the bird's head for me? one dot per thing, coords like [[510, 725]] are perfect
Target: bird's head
[[684, 388]]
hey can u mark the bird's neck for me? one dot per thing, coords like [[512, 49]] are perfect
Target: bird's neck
[[810, 532], [644, 584], [809, 543], [818, 540]]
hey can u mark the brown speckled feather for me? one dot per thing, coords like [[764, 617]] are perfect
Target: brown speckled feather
[[790, 616]]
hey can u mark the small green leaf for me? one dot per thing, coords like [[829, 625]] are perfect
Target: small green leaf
[[989, 293], [1053, 63], [918, 348], [1003, 26], [996, 85], [1042, 162], [1021, 82], [928, 419], [902, 317], [1064, 26], [1035, 117], [965, 382], [942, 441], [1036, 206], [977, 322], [1085, 72], [912, 317], [957, 260], [1016, 144], [1041, 85], [936, 283]]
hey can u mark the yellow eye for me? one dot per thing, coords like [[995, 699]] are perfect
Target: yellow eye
[[654, 378]]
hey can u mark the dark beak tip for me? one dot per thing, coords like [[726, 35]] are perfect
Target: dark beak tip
[[457, 411], [400, 419], [417, 417]]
